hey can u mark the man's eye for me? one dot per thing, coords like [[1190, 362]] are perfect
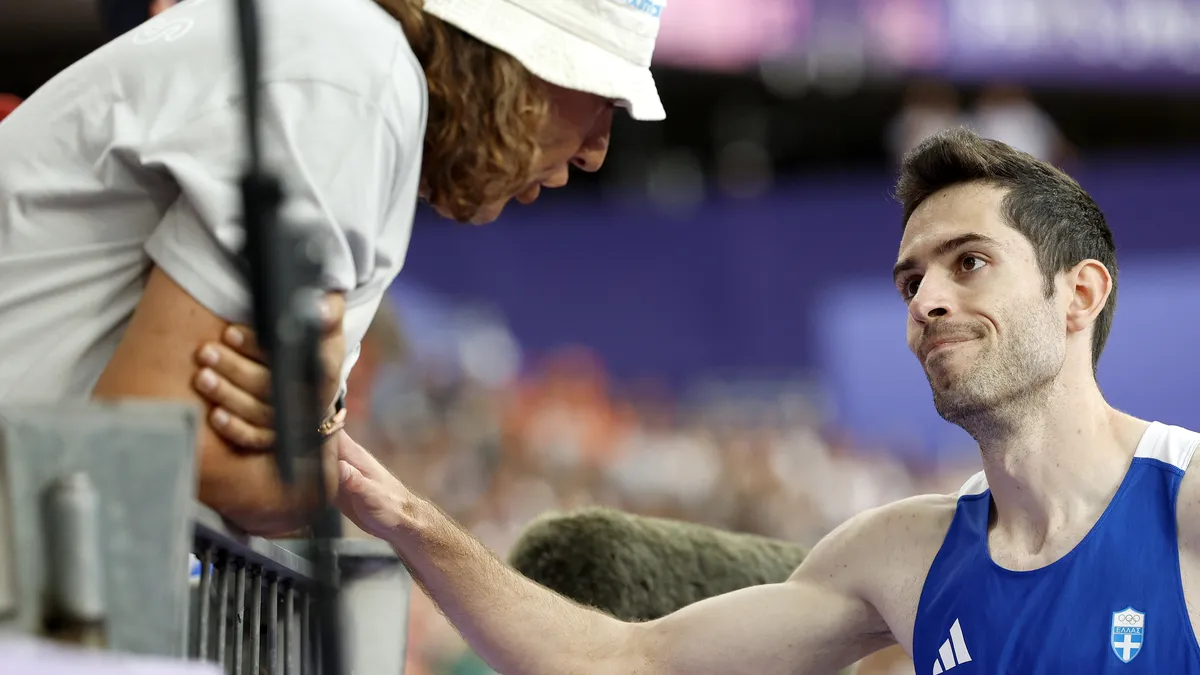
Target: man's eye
[[971, 263], [910, 287]]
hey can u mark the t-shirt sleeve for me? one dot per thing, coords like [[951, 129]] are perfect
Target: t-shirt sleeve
[[337, 157]]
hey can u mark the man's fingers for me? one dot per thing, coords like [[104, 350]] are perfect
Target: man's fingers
[[357, 457], [243, 340], [331, 308], [218, 390], [241, 371], [348, 475], [238, 432]]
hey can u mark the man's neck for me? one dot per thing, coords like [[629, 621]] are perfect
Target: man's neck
[[1058, 464]]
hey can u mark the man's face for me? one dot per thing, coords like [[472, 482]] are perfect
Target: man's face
[[978, 320], [577, 134]]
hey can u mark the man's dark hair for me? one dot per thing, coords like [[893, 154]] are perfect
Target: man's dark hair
[[1054, 213]]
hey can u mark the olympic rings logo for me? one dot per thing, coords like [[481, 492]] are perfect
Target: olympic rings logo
[[167, 31], [166, 28], [1129, 619]]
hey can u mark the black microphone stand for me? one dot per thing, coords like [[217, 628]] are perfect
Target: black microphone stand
[[284, 264]]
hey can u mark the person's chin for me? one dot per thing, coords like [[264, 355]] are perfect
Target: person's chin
[[943, 371], [487, 214]]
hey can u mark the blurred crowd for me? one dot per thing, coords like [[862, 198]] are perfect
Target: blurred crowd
[[562, 435], [1002, 111]]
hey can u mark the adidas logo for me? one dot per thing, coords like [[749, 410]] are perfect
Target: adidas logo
[[953, 652]]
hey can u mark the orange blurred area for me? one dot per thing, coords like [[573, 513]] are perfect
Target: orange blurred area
[[8, 103]]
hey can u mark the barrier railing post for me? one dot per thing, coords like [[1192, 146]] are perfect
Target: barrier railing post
[[140, 460]]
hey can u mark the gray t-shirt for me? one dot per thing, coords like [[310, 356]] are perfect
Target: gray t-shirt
[[132, 157]]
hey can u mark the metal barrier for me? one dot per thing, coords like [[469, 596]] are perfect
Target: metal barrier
[[251, 608]]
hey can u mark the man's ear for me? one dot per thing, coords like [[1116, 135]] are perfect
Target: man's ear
[[1089, 284]]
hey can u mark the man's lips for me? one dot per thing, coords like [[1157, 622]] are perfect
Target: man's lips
[[935, 345]]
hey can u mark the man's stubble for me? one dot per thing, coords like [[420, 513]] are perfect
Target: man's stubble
[[1006, 380]]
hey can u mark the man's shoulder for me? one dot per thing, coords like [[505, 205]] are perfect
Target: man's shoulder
[[915, 522], [901, 537], [883, 555], [1176, 448], [355, 46], [1182, 446]]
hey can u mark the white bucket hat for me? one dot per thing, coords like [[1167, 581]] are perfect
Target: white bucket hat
[[602, 47]]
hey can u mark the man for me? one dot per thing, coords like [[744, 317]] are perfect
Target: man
[[1076, 549], [119, 198]]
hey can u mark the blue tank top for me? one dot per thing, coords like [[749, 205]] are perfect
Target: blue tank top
[[1113, 604]]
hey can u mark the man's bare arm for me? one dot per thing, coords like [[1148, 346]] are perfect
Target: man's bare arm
[[814, 623], [156, 359]]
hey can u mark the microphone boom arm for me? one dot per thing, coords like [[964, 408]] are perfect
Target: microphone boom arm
[[284, 265]]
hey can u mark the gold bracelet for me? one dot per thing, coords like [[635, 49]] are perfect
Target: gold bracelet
[[333, 425]]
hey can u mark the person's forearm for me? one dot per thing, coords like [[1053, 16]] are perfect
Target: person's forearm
[[516, 625], [248, 493], [246, 489]]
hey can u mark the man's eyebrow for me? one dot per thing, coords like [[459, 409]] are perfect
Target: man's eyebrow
[[943, 248]]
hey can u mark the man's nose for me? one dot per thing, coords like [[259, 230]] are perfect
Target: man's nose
[[591, 154], [932, 301]]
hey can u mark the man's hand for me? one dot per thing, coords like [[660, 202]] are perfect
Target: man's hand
[[238, 385], [370, 495], [232, 376]]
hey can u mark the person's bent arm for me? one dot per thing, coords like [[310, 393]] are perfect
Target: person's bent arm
[[814, 623], [155, 360], [336, 156]]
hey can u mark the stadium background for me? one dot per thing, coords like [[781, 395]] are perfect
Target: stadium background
[[706, 329]]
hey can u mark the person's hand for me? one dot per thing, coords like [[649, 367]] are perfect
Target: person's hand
[[370, 496], [233, 378]]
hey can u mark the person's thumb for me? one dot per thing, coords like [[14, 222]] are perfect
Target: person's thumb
[[356, 455], [350, 478]]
